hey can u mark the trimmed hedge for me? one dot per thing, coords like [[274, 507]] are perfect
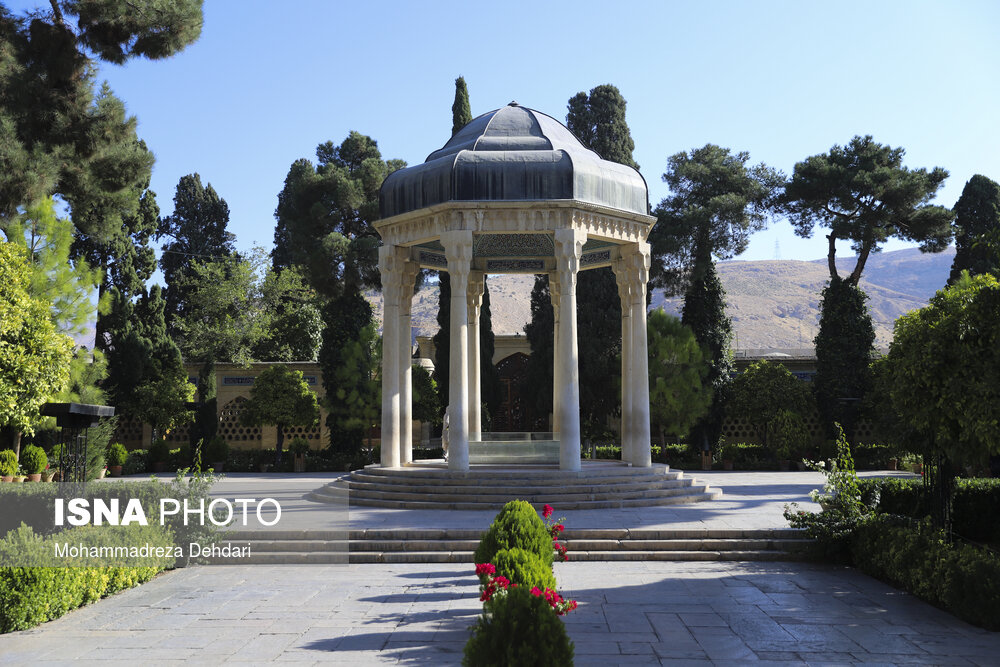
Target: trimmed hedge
[[524, 568], [519, 629], [33, 595], [517, 525], [960, 578], [974, 511]]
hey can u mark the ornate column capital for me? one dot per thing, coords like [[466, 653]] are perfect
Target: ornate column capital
[[568, 248], [477, 285], [458, 251]]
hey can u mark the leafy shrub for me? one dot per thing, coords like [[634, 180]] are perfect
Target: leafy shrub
[[517, 525], [216, 451], [748, 456], [8, 463], [95, 462], [180, 457], [960, 578], [519, 629], [135, 462], [874, 456], [524, 568], [116, 454], [33, 459], [789, 435], [159, 451], [974, 510], [299, 446], [33, 595]]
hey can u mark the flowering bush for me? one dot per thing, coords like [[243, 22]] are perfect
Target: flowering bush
[[517, 525], [561, 607], [518, 628], [555, 528]]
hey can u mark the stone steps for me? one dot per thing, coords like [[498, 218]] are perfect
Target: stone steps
[[457, 546], [599, 485]]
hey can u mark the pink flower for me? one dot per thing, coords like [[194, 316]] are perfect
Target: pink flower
[[485, 568], [502, 581], [547, 511], [536, 591]]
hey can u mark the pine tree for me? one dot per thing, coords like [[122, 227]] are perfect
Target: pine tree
[[197, 229]]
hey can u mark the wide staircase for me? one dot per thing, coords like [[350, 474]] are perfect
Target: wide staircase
[[457, 546], [599, 485]]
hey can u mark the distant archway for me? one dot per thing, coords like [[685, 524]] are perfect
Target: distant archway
[[512, 414]]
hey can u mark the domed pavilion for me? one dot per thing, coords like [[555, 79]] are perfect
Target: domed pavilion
[[513, 192]]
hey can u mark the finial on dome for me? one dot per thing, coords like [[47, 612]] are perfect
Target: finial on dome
[[513, 103]]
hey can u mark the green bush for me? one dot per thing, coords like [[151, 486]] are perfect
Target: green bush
[[135, 463], [974, 511], [961, 578], [298, 446], [874, 456], [518, 629], [33, 595], [524, 568], [517, 525], [33, 460], [789, 435], [180, 457], [159, 452], [216, 451], [8, 463], [116, 454]]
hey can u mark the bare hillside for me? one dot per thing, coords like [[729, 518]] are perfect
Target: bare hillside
[[773, 303]]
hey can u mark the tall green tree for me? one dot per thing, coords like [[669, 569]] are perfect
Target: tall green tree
[[58, 136], [461, 111], [860, 192], [942, 368], [704, 311], [764, 391], [489, 379], [324, 228], [678, 395], [350, 364], [197, 232], [65, 284], [598, 120], [34, 357], [977, 228], [717, 201], [146, 374], [280, 397]]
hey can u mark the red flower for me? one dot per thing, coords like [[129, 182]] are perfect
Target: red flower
[[485, 568], [536, 591], [547, 511]]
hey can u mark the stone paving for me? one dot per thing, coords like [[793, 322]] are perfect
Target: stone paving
[[646, 613], [629, 613]]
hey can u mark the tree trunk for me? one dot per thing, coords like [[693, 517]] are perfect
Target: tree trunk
[[281, 440], [17, 444], [862, 259], [831, 256]]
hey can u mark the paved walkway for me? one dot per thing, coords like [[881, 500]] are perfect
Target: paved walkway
[[630, 613]]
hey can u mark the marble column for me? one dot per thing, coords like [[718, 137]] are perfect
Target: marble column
[[622, 277], [554, 298], [409, 277], [458, 251], [475, 303], [391, 267], [568, 248], [638, 263]]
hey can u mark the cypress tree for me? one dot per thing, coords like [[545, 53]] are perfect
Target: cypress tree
[[461, 112], [977, 217]]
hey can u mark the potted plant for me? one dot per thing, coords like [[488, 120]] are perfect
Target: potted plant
[[216, 453], [8, 465], [299, 447], [115, 455], [159, 454], [34, 461]]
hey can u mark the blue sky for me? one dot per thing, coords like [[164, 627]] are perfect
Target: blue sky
[[269, 81]]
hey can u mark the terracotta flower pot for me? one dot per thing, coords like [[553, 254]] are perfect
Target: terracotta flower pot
[[6, 478], [116, 471], [35, 477]]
